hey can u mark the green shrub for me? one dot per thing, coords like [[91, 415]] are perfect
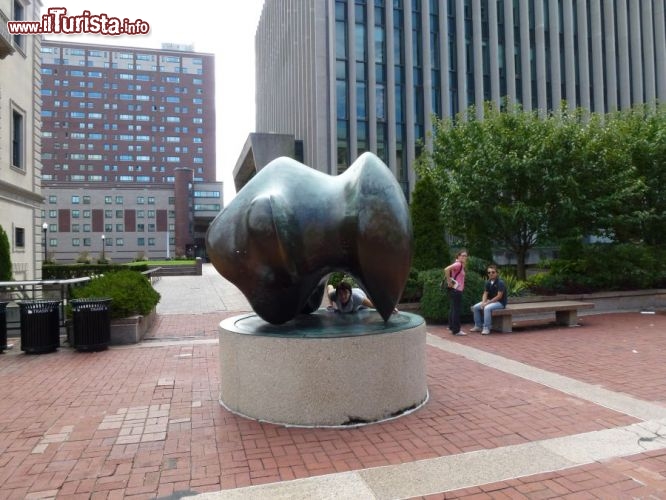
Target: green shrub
[[429, 243], [130, 291], [514, 286], [5, 257], [413, 288], [435, 302], [338, 276], [602, 267], [68, 271]]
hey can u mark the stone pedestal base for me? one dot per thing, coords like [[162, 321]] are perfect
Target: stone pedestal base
[[323, 369]]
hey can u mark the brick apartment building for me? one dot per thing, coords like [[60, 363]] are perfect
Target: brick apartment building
[[128, 150]]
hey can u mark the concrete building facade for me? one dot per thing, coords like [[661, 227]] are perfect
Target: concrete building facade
[[20, 122], [128, 150], [348, 76]]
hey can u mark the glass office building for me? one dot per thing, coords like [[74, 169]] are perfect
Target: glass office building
[[348, 76]]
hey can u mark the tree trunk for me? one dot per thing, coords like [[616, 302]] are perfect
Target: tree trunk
[[521, 266]]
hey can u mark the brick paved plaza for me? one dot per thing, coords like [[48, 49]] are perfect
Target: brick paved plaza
[[544, 412]]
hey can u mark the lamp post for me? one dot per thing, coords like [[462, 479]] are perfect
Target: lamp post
[[103, 249], [45, 228]]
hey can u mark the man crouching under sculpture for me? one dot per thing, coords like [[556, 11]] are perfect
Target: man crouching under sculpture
[[291, 226]]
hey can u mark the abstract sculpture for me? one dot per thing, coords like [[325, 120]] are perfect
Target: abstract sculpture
[[291, 226]]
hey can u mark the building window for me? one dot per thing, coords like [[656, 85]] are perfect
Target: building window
[[18, 139], [76, 199], [19, 237], [108, 228], [53, 199], [120, 242], [19, 15], [119, 200], [108, 200]]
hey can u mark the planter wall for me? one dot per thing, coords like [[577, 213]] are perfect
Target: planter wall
[[637, 300], [131, 330]]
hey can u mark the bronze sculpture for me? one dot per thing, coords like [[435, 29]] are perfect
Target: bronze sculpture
[[291, 226]]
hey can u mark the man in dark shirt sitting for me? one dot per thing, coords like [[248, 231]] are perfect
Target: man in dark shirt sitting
[[494, 297]]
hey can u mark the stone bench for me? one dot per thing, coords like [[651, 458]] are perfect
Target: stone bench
[[566, 312]]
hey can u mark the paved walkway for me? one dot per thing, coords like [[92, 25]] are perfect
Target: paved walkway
[[545, 412]]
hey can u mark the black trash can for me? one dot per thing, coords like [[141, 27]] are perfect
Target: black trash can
[[3, 326], [40, 325], [91, 320]]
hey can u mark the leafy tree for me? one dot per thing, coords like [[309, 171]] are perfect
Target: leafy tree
[[605, 189], [5, 257], [643, 137], [430, 248], [518, 179]]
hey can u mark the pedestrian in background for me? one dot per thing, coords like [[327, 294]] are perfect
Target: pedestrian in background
[[454, 275]]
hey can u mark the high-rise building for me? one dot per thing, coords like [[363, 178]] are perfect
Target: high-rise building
[[348, 76], [128, 150], [20, 167]]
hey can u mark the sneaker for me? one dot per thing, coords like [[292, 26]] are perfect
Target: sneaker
[[485, 331], [460, 333], [475, 329]]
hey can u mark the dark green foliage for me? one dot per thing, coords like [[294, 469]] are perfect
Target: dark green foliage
[[5, 257], [413, 288], [520, 179], [603, 267], [63, 272], [336, 277], [435, 302], [131, 292], [430, 248], [642, 133]]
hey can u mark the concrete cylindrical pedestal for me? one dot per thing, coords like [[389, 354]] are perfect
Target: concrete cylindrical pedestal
[[323, 369]]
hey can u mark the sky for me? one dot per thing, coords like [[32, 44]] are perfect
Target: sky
[[225, 28]]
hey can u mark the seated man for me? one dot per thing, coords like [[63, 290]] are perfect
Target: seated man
[[494, 297], [346, 299]]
